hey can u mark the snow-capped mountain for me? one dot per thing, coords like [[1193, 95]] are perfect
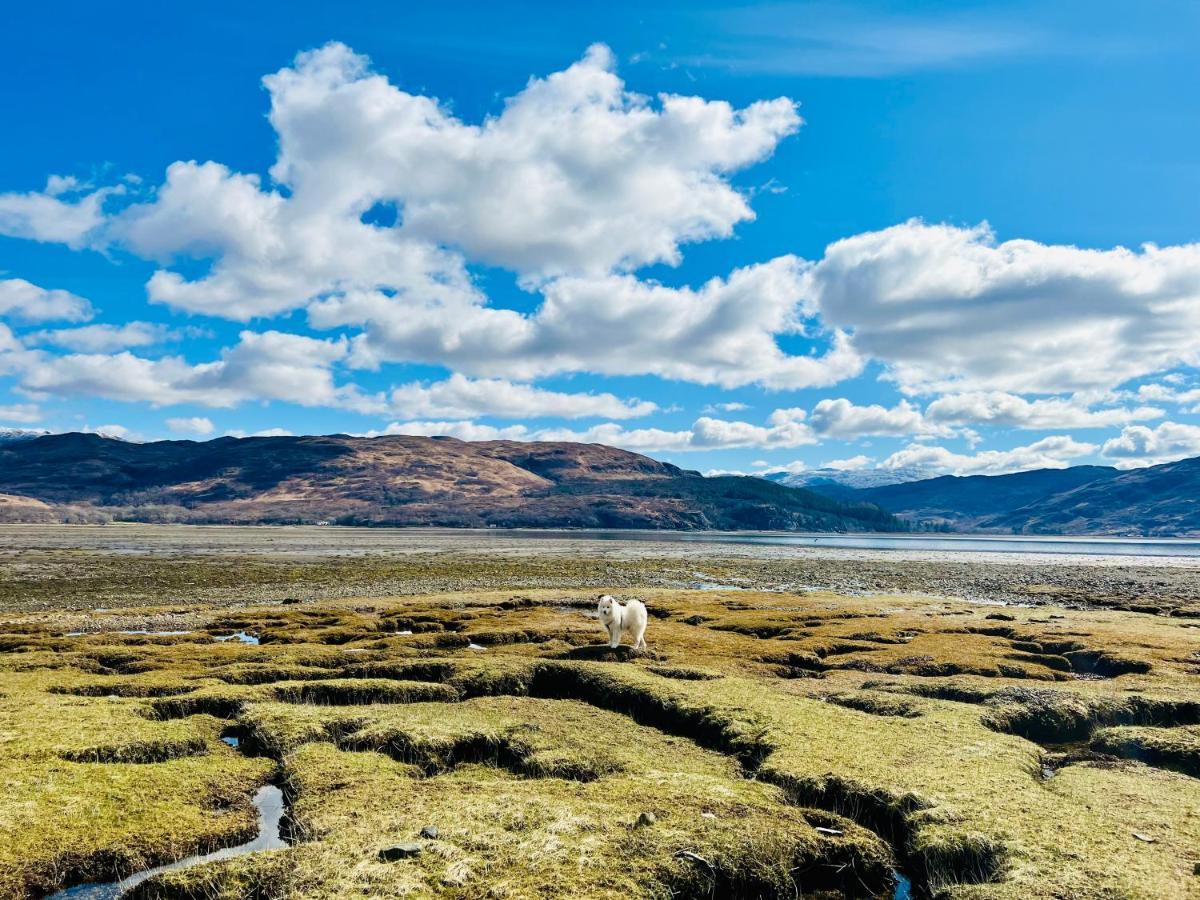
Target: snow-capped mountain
[[849, 478], [8, 435]]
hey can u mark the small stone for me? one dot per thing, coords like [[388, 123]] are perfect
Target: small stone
[[691, 856], [430, 831], [1145, 838], [1196, 869], [708, 815], [399, 851], [646, 819], [821, 829]]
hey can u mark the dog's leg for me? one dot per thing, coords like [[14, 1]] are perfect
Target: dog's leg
[[614, 634], [639, 637]]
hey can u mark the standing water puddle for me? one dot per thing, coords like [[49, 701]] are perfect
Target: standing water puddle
[[903, 889], [243, 636], [268, 801]]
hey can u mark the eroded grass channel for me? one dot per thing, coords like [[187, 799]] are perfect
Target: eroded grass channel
[[766, 746]]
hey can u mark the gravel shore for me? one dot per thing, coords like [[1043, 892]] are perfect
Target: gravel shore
[[86, 567]]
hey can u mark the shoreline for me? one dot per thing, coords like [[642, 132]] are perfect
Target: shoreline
[[88, 567]]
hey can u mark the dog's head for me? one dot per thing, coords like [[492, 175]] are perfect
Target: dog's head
[[606, 607]]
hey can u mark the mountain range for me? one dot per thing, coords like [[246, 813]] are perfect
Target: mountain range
[[1162, 500], [396, 480], [440, 481]]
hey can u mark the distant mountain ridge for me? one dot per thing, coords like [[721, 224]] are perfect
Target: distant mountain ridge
[[396, 480], [1161, 500]]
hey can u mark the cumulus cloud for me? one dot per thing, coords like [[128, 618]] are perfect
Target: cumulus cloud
[[272, 254], [104, 338], [25, 413], [1170, 392], [264, 366], [459, 397], [840, 418], [26, 302], [1139, 445], [784, 428], [197, 425], [63, 213], [464, 431], [1053, 452], [576, 175], [1012, 411], [574, 184], [722, 333], [951, 309]]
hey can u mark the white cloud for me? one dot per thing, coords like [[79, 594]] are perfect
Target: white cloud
[[24, 413], [273, 254], [950, 309], [1170, 393], [784, 428], [799, 467], [262, 366], [105, 338], [464, 431], [197, 425], [459, 397], [1139, 445], [1010, 410], [1053, 452], [732, 406], [723, 333], [27, 302], [843, 419], [51, 216], [573, 183], [575, 176]]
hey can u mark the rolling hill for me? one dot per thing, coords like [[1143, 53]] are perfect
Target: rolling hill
[[398, 480]]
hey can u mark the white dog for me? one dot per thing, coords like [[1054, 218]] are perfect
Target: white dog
[[628, 619]]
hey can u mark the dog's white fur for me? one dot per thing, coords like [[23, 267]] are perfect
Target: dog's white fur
[[628, 619]]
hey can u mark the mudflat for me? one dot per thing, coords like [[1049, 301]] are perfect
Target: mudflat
[[83, 567], [443, 719]]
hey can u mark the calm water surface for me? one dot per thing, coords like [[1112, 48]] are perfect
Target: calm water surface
[[1081, 546]]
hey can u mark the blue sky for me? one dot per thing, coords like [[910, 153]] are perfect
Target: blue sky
[[734, 237]]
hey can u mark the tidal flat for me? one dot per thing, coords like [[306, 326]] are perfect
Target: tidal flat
[[443, 719]]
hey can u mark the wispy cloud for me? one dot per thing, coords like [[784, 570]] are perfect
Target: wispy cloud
[[861, 41]]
